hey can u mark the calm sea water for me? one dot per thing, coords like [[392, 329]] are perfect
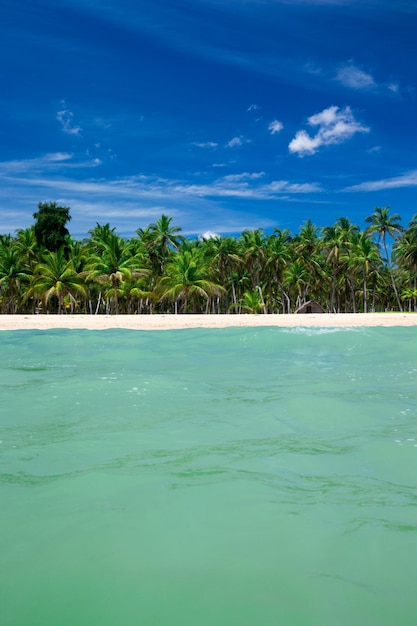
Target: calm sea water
[[237, 477]]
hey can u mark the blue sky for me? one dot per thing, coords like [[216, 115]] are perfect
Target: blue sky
[[223, 114]]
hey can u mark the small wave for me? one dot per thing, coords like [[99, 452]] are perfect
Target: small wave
[[319, 330]]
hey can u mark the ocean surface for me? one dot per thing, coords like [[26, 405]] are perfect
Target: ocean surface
[[231, 477]]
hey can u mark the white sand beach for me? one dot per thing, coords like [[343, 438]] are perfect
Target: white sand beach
[[170, 322]]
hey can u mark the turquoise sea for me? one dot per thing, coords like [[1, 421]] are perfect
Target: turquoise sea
[[236, 477]]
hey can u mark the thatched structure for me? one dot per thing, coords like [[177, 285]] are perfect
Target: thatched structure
[[310, 307]]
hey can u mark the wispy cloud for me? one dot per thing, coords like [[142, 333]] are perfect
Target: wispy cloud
[[243, 186], [236, 142], [374, 150], [275, 127], [46, 163], [253, 107], [66, 118], [409, 179], [244, 176], [133, 201], [334, 127], [394, 87], [352, 76], [239, 185], [205, 144]]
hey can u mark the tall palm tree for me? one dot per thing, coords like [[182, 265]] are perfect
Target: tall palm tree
[[383, 224], [223, 256], [163, 238], [297, 276], [27, 245], [253, 245], [100, 236], [336, 241], [349, 234], [278, 256], [405, 254], [306, 250], [113, 264], [365, 257], [55, 276], [187, 279], [14, 274], [332, 243]]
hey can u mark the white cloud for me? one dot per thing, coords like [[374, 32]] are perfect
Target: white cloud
[[205, 144], [303, 144], [243, 186], [244, 176], [275, 127], [394, 87], [236, 142], [312, 68], [334, 126], [286, 187], [66, 119], [374, 150], [409, 179], [137, 200], [352, 76], [253, 107], [143, 188], [48, 162], [57, 157], [209, 234]]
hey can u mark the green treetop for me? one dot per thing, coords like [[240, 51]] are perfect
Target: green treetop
[[50, 229]]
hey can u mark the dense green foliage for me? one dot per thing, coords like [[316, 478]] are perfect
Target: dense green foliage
[[50, 229], [340, 266]]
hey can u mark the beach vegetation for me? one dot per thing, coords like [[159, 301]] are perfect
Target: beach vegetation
[[158, 270], [50, 225], [55, 279]]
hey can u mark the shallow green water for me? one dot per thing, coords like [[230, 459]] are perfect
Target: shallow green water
[[208, 477]]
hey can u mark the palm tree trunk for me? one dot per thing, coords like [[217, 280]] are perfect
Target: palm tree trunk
[[365, 295], [98, 304], [394, 286]]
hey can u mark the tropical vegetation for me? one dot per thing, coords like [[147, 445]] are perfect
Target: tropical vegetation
[[345, 269]]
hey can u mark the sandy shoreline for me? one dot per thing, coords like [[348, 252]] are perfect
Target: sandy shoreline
[[170, 322]]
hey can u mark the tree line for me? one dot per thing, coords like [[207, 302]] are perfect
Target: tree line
[[345, 269]]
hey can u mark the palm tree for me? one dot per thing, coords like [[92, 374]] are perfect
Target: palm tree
[[336, 241], [306, 252], [332, 245], [132, 290], [187, 279], [163, 239], [410, 294], [383, 224], [223, 256], [253, 245], [13, 275], [365, 257], [349, 235], [278, 256], [114, 264], [55, 276], [405, 254], [251, 303], [297, 276], [100, 236], [27, 245]]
